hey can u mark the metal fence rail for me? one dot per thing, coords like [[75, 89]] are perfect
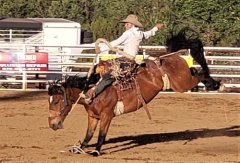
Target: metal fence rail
[[12, 36], [67, 56]]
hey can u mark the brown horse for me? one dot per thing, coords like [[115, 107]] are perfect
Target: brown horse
[[168, 72]]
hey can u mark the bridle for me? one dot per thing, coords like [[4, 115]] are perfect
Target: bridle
[[66, 102], [64, 96]]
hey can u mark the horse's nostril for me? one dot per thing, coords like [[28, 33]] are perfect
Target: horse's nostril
[[54, 127], [60, 125]]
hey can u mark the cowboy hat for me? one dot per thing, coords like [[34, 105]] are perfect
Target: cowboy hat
[[132, 19]]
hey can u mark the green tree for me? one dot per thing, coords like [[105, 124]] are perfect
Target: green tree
[[107, 14], [217, 21], [14, 8]]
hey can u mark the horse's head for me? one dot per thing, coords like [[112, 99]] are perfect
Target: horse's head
[[57, 106], [61, 97]]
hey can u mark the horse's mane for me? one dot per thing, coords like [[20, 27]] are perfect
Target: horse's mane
[[74, 81], [80, 82], [54, 87]]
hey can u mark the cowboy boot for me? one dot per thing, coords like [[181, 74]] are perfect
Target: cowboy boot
[[94, 91], [104, 82]]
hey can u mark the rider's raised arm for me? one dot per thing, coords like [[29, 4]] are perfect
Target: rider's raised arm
[[153, 31], [116, 42]]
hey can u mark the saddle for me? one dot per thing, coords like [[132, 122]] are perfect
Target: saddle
[[125, 72], [122, 69]]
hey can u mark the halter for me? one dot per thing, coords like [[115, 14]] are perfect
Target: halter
[[64, 96], [65, 101]]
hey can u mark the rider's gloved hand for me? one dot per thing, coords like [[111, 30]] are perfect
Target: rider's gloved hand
[[97, 50]]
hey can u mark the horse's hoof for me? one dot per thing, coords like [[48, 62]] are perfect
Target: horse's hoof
[[77, 150], [95, 153]]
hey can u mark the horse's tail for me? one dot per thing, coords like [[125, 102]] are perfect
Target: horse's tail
[[187, 38]]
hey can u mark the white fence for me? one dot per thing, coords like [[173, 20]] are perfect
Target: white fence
[[21, 36], [37, 80]]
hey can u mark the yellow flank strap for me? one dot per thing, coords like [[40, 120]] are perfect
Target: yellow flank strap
[[100, 69]]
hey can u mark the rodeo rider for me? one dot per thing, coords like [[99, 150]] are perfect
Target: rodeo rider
[[130, 39]]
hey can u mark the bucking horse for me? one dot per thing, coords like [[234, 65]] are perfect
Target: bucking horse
[[159, 73]]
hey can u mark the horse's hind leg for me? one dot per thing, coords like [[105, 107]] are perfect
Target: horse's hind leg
[[104, 126], [92, 124]]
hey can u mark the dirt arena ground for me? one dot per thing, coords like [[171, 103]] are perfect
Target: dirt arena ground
[[184, 128]]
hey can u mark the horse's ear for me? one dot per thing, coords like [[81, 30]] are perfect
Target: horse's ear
[[64, 78], [59, 82], [50, 83]]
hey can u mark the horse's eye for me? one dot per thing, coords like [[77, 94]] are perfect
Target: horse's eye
[[55, 102]]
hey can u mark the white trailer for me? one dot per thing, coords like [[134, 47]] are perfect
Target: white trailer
[[47, 31], [58, 31]]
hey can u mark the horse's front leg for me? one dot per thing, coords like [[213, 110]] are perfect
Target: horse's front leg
[[104, 126], [92, 124]]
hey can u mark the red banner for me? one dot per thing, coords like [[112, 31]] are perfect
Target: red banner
[[24, 62]]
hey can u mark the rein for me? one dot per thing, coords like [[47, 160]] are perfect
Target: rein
[[74, 105]]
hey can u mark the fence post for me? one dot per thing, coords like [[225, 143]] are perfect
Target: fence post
[[97, 59], [144, 53], [10, 35], [24, 80]]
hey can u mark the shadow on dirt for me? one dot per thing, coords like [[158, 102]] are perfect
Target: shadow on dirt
[[188, 135]]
